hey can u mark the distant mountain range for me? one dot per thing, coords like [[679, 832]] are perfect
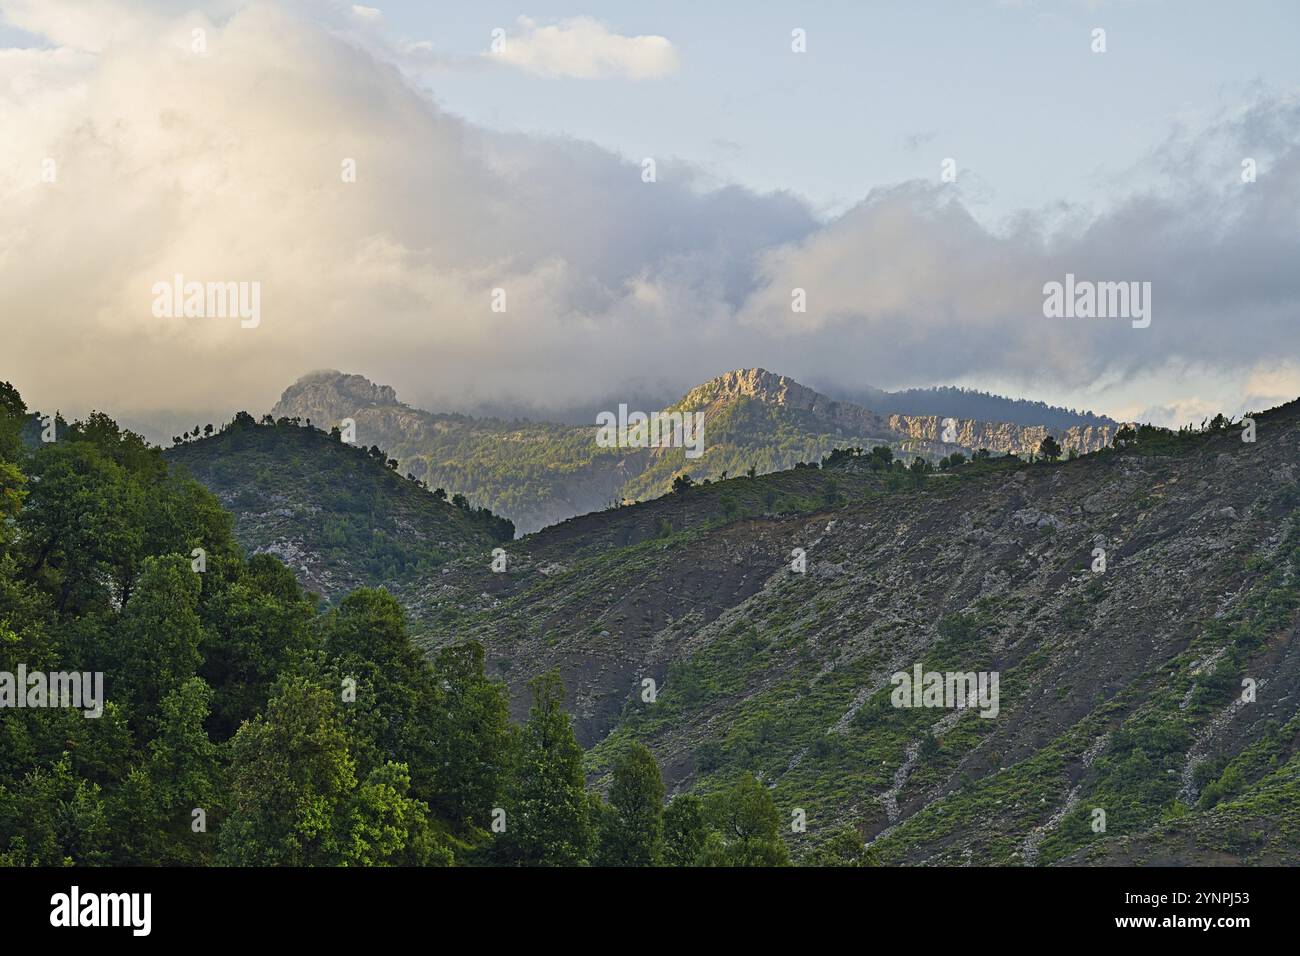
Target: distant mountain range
[[538, 473], [943, 400], [969, 403]]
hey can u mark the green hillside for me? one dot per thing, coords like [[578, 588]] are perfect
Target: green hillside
[[166, 701], [742, 636], [338, 515], [1120, 689]]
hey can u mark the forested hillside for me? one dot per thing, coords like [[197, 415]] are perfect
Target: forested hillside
[[970, 403], [1139, 606], [239, 724], [339, 515]]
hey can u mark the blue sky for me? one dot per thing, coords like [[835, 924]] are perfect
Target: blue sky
[[1012, 91]]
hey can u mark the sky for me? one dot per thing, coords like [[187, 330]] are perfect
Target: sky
[[500, 160]]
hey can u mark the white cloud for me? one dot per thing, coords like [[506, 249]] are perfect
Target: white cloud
[[584, 48], [230, 171]]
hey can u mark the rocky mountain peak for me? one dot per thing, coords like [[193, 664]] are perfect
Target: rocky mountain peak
[[759, 384], [332, 395]]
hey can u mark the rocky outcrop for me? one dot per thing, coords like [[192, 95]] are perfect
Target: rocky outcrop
[[1000, 437], [332, 395], [926, 430]]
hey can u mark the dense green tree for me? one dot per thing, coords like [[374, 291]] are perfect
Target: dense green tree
[[53, 818], [472, 736], [384, 826], [82, 525], [13, 416], [154, 647], [396, 699], [843, 848], [154, 811], [292, 780], [684, 830], [747, 827], [549, 824], [256, 624], [632, 834]]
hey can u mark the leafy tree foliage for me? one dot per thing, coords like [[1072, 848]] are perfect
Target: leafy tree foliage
[[225, 736], [747, 827], [684, 830], [243, 725], [843, 848], [632, 833], [549, 824]]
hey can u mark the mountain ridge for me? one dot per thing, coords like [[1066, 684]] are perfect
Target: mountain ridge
[[769, 612], [538, 473]]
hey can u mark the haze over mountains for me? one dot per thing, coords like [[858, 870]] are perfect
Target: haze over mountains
[[538, 473]]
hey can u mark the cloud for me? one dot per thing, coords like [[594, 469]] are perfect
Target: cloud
[[233, 170], [910, 268], [584, 48]]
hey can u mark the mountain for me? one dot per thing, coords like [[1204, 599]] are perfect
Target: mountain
[[969, 403], [1121, 685], [539, 473], [1139, 606], [339, 517]]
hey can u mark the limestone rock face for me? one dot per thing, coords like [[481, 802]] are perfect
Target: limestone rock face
[[328, 397], [1000, 437], [771, 389]]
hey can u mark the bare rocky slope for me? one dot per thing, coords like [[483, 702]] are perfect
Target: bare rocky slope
[[1121, 689]]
